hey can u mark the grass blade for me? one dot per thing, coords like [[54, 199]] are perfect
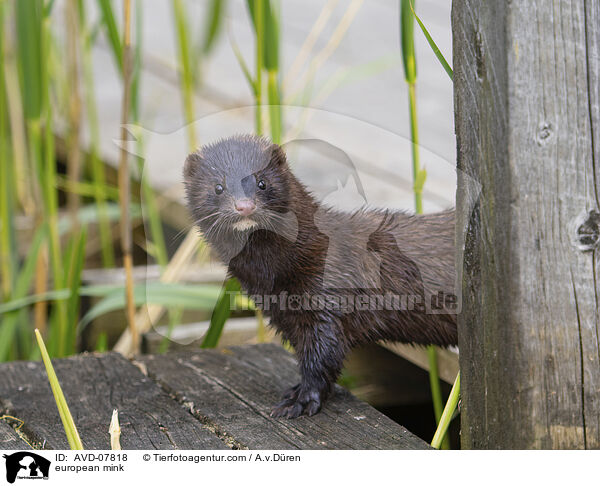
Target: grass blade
[[20, 303], [186, 72], [22, 285], [220, 314], [447, 415], [48, 8], [266, 28], [269, 40], [29, 34], [407, 40], [62, 294], [61, 403], [433, 45], [243, 65], [148, 196], [76, 263], [10, 76], [101, 345], [97, 168], [274, 106], [33, 79], [112, 32], [59, 340], [74, 108], [6, 184], [200, 297], [216, 13], [419, 175], [137, 62], [154, 223], [90, 213], [258, 19], [434, 383], [124, 179], [86, 189]]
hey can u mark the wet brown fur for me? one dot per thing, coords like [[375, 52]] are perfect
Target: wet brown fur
[[415, 256]]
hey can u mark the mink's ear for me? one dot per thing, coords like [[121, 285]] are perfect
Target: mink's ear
[[277, 157], [191, 165]]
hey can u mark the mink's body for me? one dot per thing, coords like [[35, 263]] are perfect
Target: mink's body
[[278, 241]]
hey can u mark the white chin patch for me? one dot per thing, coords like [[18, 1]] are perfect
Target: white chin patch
[[244, 224]]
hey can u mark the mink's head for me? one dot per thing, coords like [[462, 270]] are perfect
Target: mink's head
[[236, 185]]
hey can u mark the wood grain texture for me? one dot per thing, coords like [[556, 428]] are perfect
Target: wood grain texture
[[233, 390], [10, 440], [94, 385], [527, 117]]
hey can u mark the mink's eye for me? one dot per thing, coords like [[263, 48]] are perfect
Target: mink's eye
[[219, 189], [262, 185]]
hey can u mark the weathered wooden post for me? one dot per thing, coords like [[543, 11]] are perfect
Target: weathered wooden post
[[527, 104]]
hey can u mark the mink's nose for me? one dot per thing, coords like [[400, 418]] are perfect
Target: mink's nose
[[245, 207]]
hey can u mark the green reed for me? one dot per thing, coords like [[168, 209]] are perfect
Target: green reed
[[12, 317], [96, 165], [259, 25], [34, 41], [159, 245], [185, 69], [266, 26], [59, 397], [419, 175], [439, 440], [6, 181], [448, 414], [149, 197], [59, 248]]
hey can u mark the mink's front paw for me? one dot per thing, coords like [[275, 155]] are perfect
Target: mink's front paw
[[297, 401]]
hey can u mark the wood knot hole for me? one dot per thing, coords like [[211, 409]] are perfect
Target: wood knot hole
[[585, 231], [544, 133]]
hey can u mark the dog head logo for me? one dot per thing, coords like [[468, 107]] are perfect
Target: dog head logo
[[26, 465]]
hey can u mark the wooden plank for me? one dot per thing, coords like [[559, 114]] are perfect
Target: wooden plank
[[10, 440], [233, 391], [94, 385], [526, 79]]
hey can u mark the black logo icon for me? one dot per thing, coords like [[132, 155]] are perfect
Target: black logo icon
[[26, 465]]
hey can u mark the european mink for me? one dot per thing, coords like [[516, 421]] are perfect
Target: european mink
[[329, 280]]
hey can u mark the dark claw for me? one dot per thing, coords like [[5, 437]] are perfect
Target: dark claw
[[312, 408], [297, 402], [280, 410]]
